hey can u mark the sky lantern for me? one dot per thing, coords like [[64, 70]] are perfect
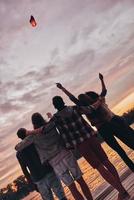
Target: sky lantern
[[32, 21]]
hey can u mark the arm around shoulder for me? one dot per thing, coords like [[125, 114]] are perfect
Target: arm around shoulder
[[104, 90], [24, 143]]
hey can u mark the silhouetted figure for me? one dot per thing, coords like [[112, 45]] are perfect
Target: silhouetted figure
[[107, 123], [76, 132], [37, 174], [51, 147]]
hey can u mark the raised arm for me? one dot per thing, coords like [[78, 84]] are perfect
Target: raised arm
[[29, 139], [35, 131], [49, 115], [70, 95], [104, 90]]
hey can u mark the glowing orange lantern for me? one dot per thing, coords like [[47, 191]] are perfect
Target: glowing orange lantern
[[32, 21]]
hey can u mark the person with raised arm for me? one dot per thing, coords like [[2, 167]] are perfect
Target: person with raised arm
[[40, 176], [107, 123], [76, 132]]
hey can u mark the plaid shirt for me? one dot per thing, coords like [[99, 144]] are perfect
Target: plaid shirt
[[72, 126]]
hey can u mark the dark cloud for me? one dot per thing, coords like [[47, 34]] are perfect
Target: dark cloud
[[30, 95], [74, 38], [86, 31], [55, 53], [9, 107], [48, 71], [38, 75], [3, 62], [19, 86], [30, 74], [80, 61], [34, 96]]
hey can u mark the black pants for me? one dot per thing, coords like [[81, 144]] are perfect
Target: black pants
[[117, 127]]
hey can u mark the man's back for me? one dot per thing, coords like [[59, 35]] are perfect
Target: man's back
[[29, 158], [73, 128], [47, 141]]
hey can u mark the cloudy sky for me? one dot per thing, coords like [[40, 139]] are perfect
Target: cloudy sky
[[73, 41]]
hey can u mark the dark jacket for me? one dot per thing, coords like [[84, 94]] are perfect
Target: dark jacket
[[31, 165]]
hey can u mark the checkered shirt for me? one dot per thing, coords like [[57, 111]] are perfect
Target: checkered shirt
[[72, 127]]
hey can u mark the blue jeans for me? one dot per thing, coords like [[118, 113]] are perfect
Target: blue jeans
[[49, 184]]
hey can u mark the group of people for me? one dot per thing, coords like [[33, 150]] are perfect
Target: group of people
[[45, 153]]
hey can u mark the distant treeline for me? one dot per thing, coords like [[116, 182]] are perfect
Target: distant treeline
[[129, 116], [20, 188], [16, 190]]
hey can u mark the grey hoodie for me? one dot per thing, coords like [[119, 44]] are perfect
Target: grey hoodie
[[48, 143]]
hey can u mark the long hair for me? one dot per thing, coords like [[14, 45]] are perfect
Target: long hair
[[38, 120], [93, 96], [84, 101]]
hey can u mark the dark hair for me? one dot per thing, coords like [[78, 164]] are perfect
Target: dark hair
[[83, 100], [93, 95], [21, 133], [58, 102], [38, 120]]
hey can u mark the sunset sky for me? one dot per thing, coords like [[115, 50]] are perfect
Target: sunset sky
[[73, 41]]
